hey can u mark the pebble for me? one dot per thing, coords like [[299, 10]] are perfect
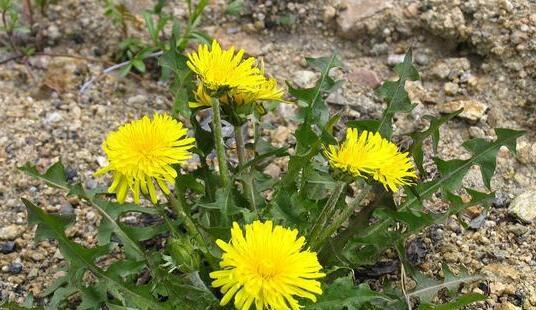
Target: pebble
[[53, 117], [451, 89], [273, 170], [352, 19], [441, 70], [7, 247], [421, 59], [476, 132], [91, 216], [14, 268], [10, 232], [473, 110], [53, 32], [524, 207], [137, 100], [395, 59], [365, 77], [304, 78], [526, 152]]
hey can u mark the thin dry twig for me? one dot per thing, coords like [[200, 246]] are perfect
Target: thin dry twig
[[111, 69]]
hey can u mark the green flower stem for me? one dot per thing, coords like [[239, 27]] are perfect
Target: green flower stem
[[247, 182], [328, 209], [343, 215], [218, 141], [163, 212], [191, 227], [357, 223]]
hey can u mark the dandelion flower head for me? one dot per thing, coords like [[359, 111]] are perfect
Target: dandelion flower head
[[266, 267], [368, 154], [219, 69], [142, 152]]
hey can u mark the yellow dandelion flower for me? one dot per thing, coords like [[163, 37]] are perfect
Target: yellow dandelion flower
[[223, 69], [370, 154], [143, 151], [267, 267]]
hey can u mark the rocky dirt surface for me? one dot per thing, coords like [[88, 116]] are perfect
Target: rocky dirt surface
[[476, 54]]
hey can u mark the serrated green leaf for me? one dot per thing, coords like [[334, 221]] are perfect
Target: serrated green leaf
[[428, 288], [54, 176], [485, 152], [395, 94], [416, 148], [54, 227], [343, 294], [458, 303]]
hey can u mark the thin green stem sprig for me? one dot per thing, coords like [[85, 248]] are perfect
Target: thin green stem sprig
[[344, 214], [247, 180], [323, 217], [192, 228], [218, 142]]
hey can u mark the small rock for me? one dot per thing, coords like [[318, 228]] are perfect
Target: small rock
[[478, 221], [364, 76], [66, 209], [91, 216], [91, 183], [441, 70], [137, 100], [473, 110], [421, 59], [273, 170], [451, 89], [501, 200], [53, 117], [102, 161], [14, 268], [7, 247], [379, 49], [473, 211], [476, 132], [10, 232], [329, 14], [395, 59], [518, 230], [416, 251], [53, 32], [304, 78], [280, 134], [38, 256], [336, 98], [506, 306], [350, 20], [526, 152], [524, 207]]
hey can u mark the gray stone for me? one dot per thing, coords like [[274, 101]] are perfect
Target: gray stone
[[14, 268], [524, 207], [7, 247]]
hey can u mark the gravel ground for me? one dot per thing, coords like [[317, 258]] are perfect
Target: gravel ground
[[475, 54]]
